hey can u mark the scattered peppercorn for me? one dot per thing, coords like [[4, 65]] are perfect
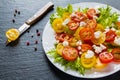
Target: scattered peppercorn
[[27, 43], [19, 12], [37, 30], [13, 20], [14, 15], [36, 42], [32, 36], [38, 34], [35, 48], [15, 10], [28, 31]]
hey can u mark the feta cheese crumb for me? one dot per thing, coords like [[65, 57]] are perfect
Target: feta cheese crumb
[[73, 15], [80, 52], [97, 49], [79, 43], [102, 47], [82, 23], [79, 47], [113, 29], [107, 29], [65, 43], [117, 41], [97, 34], [89, 54], [57, 41], [66, 21]]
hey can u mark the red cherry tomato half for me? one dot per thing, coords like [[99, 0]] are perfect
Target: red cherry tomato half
[[69, 53], [116, 54], [90, 13], [73, 25], [106, 57], [85, 47], [86, 34], [79, 17], [110, 36], [62, 37]]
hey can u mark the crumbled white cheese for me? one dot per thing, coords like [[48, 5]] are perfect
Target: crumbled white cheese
[[97, 34], [79, 43], [102, 47], [107, 29], [57, 41], [117, 40], [65, 22], [97, 49], [95, 17], [89, 54], [73, 15], [113, 29], [79, 47], [80, 52], [82, 23], [65, 43]]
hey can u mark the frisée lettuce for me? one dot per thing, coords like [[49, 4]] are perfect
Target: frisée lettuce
[[75, 65]]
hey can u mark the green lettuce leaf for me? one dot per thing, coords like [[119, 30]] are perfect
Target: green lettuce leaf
[[75, 65], [107, 18], [60, 11]]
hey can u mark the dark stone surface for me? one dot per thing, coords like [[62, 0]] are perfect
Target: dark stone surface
[[21, 62]]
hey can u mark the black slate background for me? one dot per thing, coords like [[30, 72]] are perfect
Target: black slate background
[[21, 62]]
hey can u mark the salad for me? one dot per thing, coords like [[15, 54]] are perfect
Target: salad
[[85, 38]]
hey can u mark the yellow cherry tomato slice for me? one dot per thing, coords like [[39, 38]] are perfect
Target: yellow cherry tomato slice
[[65, 15], [100, 40], [87, 62], [12, 34], [76, 34], [59, 48], [99, 64], [99, 27], [57, 25], [73, 42]]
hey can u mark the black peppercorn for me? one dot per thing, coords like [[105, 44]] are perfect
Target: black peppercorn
[[13, 20]]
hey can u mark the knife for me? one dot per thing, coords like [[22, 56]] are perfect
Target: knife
[[34, 18]]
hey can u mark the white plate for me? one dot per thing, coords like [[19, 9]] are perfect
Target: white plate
[[48, 41]]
